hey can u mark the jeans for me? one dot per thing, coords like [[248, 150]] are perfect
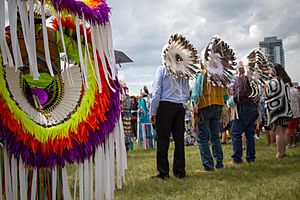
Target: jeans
[[245, 124], [208, 128]]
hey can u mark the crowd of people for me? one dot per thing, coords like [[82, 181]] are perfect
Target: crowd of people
[[211, 112], [243, 106], [135, 112], [218, 120]]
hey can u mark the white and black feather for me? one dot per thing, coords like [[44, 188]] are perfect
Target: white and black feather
[[179, 56], [218, 58]]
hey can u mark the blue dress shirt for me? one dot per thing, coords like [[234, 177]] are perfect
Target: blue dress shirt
[[167, 88]]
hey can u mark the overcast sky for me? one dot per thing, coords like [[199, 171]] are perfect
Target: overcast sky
[[142, 27]]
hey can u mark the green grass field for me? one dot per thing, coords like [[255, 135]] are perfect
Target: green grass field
[[267, 178]]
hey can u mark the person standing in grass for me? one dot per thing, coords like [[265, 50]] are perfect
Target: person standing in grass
[[224, 123], [208, 114], [278, 106], [126, 117], [134, 109], [145, 127], [167, 112], [293, 123], [170, 93], [247, 108], [217, 60], [264, 127]]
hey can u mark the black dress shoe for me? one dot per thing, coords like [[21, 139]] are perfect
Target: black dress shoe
[[160, 176]]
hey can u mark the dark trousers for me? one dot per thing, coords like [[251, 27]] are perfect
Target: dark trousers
[[170, 118], [134, 128]]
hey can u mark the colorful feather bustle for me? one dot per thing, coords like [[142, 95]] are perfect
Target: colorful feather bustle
[[59, 100], [78, 143]]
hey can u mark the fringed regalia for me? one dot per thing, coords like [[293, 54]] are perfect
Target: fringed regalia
[[146, 136], [126, 117], [59, 100]]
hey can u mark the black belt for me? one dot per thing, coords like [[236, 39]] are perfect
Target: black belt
[[169, 103]]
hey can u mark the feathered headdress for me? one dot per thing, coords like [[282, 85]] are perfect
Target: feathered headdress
[[59, 99], [219, 60], [256, 69], [180, 57]]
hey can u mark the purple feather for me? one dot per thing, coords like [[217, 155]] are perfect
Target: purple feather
[[96, 15]]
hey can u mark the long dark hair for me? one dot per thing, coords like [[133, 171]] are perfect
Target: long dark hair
[[281, 73]]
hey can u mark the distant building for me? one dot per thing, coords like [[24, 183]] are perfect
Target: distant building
[[295, 84], [273, 49]]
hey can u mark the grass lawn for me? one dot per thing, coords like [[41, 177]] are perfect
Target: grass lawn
[[267, 178]]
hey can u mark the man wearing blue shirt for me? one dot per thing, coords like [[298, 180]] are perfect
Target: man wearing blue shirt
[[167, 112]]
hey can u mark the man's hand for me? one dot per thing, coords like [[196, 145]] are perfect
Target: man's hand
[[153, 119]]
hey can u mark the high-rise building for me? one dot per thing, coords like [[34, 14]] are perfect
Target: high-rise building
[[273, 49]]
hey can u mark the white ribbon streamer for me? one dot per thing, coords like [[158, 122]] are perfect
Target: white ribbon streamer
[[111, 146], [112, 59], [65, 64], [12, 8], [14, 177], [82, 64], [91, 188], [6, 55], [35, 73], [101, 47], [34, 184], [93, 36], [46, 43], [7, 176], [99, 181], [66, 191], [75, 184], [86, 181], [23, 180], [107, 186], [25, 28], [80, 174], [54, 177], [87, 55]]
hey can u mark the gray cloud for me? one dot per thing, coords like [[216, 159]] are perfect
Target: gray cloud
[[141, 28]]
